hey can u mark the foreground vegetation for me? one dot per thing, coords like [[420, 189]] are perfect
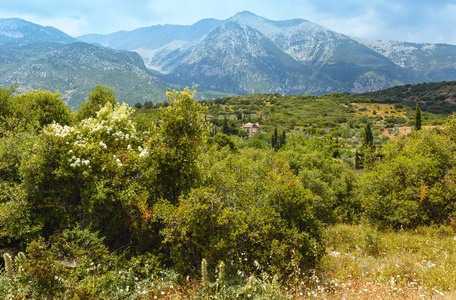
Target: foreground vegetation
[[111, 203]]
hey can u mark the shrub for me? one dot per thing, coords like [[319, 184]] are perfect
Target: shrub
[[88, 173], [247, 213], [329, 179], [413, 185]]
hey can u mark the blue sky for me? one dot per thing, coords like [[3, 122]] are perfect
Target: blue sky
[[432, 21]]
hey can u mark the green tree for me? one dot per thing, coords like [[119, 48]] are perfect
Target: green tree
[[5, 103], [174, 147], [98, 98], [417, 118], [368, 136], [365, 155], [282, 139], [225, 127], [41, 108], [31, 110], [222, 140], [274, 141]]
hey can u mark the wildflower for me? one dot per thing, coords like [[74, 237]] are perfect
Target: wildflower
[[143, 153]]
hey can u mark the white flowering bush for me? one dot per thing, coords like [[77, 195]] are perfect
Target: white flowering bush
[[89, 173]]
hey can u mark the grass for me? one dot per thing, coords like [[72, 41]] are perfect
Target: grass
[[361, 263], [366, 264]]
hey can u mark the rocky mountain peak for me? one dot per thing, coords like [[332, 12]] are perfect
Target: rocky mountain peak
[[14, 30]]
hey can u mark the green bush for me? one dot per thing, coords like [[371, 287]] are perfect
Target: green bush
[[413, 185], [329, 179], [88, 173], [254, 209]]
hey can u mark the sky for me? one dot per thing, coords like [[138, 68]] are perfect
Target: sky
[[420, 21]]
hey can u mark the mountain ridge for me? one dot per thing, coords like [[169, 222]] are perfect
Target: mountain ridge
[[243, 54], [16, 31], [338, 63]]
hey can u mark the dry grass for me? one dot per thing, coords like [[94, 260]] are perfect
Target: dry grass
[[381, 110], [361, 264], [366, 264]]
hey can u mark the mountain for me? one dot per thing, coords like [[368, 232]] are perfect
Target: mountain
[[153, 37], [250, 54], [37, 57], [74, 70], [18, 31], [239, 57], [429, 62]]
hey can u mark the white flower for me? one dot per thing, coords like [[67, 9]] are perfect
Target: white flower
[[103, 145], [144, 153]]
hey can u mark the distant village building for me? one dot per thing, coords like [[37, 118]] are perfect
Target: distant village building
[[251, 128]]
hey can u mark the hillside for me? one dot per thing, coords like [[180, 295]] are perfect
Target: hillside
[[74, 69], [436, 97], [390, 107]]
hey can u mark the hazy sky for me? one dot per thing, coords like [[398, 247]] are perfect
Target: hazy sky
[[432, 21]]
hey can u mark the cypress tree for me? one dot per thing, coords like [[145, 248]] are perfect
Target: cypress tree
[[357, 160], [417, 118], [368, 136], [282, 139], [274, 140], [225, 128]]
